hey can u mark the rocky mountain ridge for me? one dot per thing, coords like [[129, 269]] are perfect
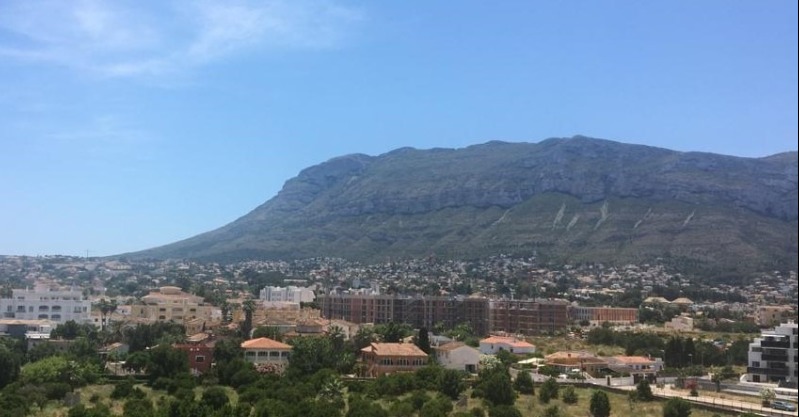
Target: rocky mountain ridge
[[567, 199]]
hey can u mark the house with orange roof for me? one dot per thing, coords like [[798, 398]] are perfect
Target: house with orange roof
[[492, 345], [265, 351], [635, 365], [386, 358], [577, 360]]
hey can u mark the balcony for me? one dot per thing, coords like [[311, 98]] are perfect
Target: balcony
[[775, 344], [768, 371], [774, 357]]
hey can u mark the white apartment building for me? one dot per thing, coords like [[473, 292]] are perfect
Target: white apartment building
[[286, 295], [58, 305], [772, 356]]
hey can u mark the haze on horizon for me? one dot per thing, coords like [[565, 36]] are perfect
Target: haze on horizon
[[129, 125]]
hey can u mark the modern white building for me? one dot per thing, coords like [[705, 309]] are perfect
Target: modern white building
[[289, 294], [772, 356], [58, 305]]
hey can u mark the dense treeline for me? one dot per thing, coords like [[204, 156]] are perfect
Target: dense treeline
[[676, 351]]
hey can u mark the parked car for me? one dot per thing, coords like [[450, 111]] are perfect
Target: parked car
[[783, 405]]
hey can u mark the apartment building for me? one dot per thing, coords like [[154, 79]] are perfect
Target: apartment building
[[56, 304], [772, 356], [172, 304], [290, 294], [418, 311], [528, 316], [598, 315]]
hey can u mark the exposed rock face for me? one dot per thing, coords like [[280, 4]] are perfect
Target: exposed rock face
[[571, 199]]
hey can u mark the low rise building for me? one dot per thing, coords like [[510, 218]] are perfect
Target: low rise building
[[492, 345], [173, 305], [681, 323], [265, 351], [457, 356], [46, 302], [577, 361], [386, 358]]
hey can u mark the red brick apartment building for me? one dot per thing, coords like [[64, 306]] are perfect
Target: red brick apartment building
[[598, 315], [528, 316], [484, 315], [418, 311]]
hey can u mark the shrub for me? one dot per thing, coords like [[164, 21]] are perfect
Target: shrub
[[569, 395]]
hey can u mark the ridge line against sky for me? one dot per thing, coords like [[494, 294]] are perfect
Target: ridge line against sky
[[129, 124]]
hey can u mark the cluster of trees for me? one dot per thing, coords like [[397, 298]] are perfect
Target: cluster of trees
[[634, 343], [686, 352], [677, 352]]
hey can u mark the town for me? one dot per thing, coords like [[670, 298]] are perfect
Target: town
[[181, 324]]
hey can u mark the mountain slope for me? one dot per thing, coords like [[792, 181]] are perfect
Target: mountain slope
[[575, 199]]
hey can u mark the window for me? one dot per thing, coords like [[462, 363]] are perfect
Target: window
[[199, 358], [755, 364]]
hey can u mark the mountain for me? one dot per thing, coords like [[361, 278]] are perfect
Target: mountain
[[565, 199]]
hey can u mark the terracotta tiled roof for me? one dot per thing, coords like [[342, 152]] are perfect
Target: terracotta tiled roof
[[633, 360], [264, 343], [510, 341], [450, 346], [394, 349]]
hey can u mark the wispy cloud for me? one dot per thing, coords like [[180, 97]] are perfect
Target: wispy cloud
[[125, 38]]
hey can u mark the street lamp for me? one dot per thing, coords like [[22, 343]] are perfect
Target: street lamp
[[691, 358]]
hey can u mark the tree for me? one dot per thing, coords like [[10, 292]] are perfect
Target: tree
[[548, 391], [270, 332], [600, 404], [644, 391], [676, 407], [495, 386], [767, 395], [106, 308], [363, 338], [166, 361], [215, 397], [552, 411], [450, 383], [437, 407], [569, 395], [140, 407], [423, 340], [523, 383], [136, 361], [249, 308], [10, 364]]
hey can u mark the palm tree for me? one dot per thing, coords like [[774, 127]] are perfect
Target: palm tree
[[249, 307], [336, 335], [106, 309]]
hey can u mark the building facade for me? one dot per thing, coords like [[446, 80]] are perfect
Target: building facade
[[265, 352], [772, 356], [58, 305], [172, 304], [286, 295], [418, 311], [529, 317], [386, 358], [457, 356], [598, 315], [769, 316]]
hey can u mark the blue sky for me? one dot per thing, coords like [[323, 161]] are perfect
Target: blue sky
[[130, 124]]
